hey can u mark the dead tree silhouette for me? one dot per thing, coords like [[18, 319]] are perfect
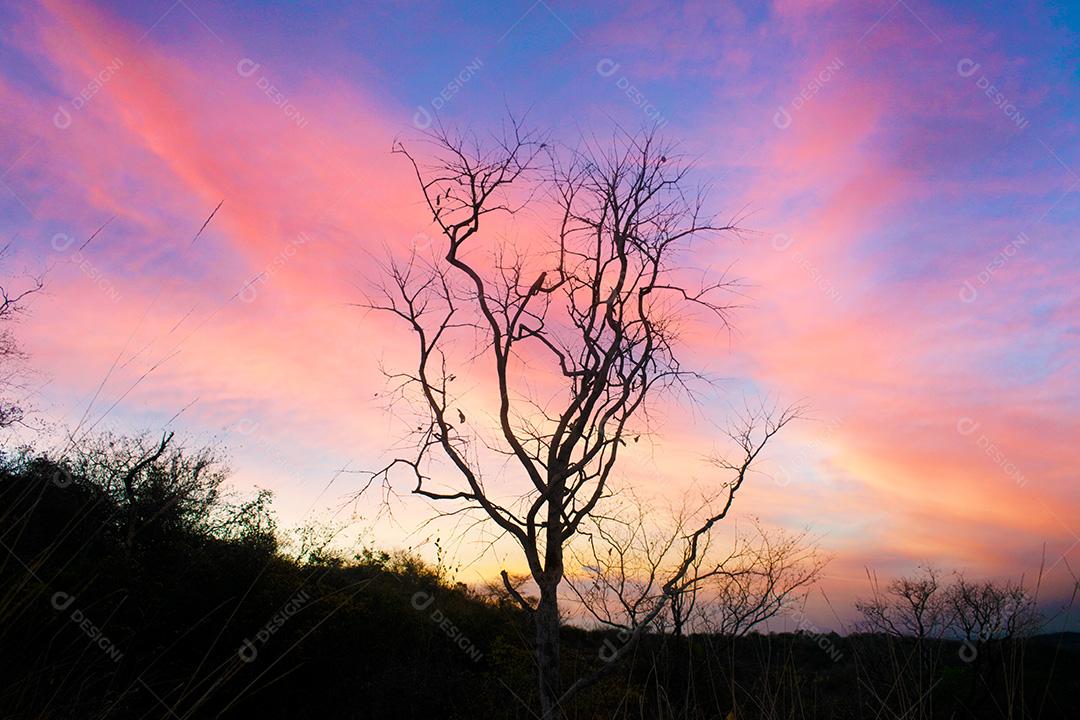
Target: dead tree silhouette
[[602, 305]]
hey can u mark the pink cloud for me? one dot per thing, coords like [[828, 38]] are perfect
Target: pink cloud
[[895, 360]]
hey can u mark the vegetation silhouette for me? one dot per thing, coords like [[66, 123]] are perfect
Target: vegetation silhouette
[[135, 583], [599, 328], [200, 613]]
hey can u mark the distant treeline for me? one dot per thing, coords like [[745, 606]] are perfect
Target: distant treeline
[[133, 584]]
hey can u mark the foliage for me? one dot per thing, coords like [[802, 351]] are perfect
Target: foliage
[[201, 615]]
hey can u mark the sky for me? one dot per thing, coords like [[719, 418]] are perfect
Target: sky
[[908, 174]]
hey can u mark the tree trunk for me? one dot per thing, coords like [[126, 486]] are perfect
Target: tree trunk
[[677, 618], [547, 650]]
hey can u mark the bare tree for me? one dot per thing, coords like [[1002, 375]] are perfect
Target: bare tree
[[767, 573], [997, 612], [630, 555], [920, 608], [624, 559], [595, 314], [156, 481], [911, 614], [989, 610], [12, 305], [912, 606]]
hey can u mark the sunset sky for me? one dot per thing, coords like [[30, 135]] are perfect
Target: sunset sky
[[909, 174]]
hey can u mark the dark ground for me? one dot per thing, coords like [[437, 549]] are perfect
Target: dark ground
[[98, 622]]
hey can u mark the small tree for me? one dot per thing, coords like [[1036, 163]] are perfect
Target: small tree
[[735, 587], [911, 613], [990, 610], [769, 571], [159, 485], [912, 606], [12, 305], [598, 308]]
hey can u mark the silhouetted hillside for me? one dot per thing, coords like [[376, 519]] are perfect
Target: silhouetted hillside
[[162, 596]]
